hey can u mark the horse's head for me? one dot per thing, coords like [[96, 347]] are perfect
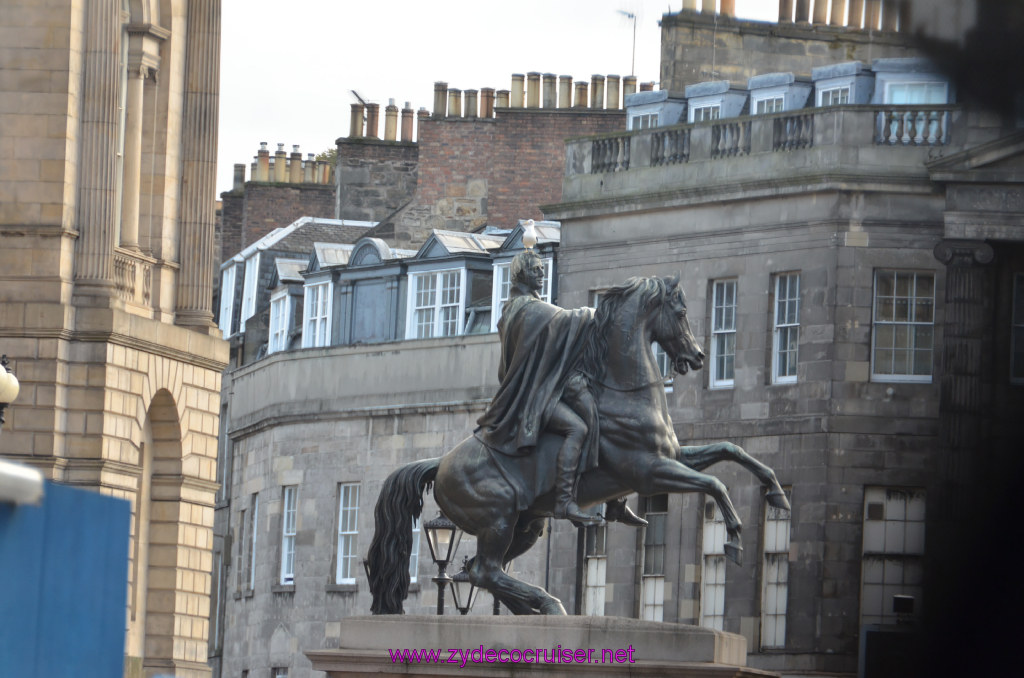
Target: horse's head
[[671, 329]]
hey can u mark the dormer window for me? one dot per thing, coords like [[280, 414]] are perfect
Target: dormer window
[[706, 112], [916, 93], [769, 105], [280, 310], [436, 304], [643, 121], [834, 96], [316, 310]]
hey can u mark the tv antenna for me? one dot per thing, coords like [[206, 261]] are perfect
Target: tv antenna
[[631, 15]]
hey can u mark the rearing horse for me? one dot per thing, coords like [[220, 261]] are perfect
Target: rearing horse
[[639, 453]]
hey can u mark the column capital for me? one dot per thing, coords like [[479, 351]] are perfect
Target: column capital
[[964, 252]]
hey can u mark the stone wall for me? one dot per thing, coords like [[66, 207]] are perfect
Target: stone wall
[[374, 178], [701, 47], [250, 214], [493, 171]]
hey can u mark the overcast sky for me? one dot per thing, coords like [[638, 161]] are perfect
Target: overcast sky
[[288, 68]]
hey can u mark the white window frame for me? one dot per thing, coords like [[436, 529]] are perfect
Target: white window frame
[[317, 310], [714, 112], [652, 582], [414, 553], [254, 513], [834, 90], [775, 577], [712, 577], [280, 321], [501, 287], [664, 366], [640, 121], [893, 549], [1017, 331], [882, 325], [289, 529], [227, 299], [786, 328], [925, 83], [595, 577], [435, 327], [723, 332], [348, 533], [249, 290], [776, 101]]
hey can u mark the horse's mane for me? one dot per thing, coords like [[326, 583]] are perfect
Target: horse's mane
[[595, 350]]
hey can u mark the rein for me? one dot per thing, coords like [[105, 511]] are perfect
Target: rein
[[660, 380]]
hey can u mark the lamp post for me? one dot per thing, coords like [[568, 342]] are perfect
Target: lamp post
[[463, 590], [443, 539], [9, 387]]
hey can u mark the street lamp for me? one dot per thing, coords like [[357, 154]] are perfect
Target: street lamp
[[443, 539], [9, 387], [463, 590]]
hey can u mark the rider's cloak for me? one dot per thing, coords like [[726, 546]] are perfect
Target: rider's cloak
[[541, 345]]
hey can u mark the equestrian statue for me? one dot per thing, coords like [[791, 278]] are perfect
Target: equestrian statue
[[580, 419]]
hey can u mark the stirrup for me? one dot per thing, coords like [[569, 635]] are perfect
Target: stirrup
[[578, 518]]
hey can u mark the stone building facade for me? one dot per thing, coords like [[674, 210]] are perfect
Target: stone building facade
[[106, 263], [797, 233]]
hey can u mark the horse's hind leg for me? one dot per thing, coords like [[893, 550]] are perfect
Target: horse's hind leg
[[699, 457], [486, 571]]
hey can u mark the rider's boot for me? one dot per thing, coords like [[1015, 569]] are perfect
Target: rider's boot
[[618, 511], [565, 497]]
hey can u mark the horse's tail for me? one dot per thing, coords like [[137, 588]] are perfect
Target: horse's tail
[[387, 563]]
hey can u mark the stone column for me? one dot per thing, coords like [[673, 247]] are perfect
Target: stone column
[[785, 11], [890, 15], [199, 165], [873, 14], [132, 159], [856, 13], [97, 168], [966, 362], [820, 11], [838, 17]]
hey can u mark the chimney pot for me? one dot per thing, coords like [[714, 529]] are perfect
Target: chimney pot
[[613, 92], [533, 90], [355, 128], [565, 91], [440, 99], [516, 96], [263, 145], [597, 91], [372, 115]]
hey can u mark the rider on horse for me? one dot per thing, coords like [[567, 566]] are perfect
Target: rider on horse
[[543, 388]]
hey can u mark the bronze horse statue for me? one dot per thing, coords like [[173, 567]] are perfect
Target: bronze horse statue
[[638, 452]]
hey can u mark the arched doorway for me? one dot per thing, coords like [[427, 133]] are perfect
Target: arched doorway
[[151, 606]]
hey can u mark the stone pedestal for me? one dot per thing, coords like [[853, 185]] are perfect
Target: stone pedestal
[[597, 647]]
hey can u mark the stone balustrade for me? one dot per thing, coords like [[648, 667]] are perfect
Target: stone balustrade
[[775, 132], [133, 277]]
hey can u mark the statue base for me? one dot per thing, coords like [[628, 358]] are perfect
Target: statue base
[[598, 647]]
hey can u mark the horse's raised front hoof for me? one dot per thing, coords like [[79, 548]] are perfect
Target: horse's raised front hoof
[[777, 498], [734, 552], [552, 606]]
